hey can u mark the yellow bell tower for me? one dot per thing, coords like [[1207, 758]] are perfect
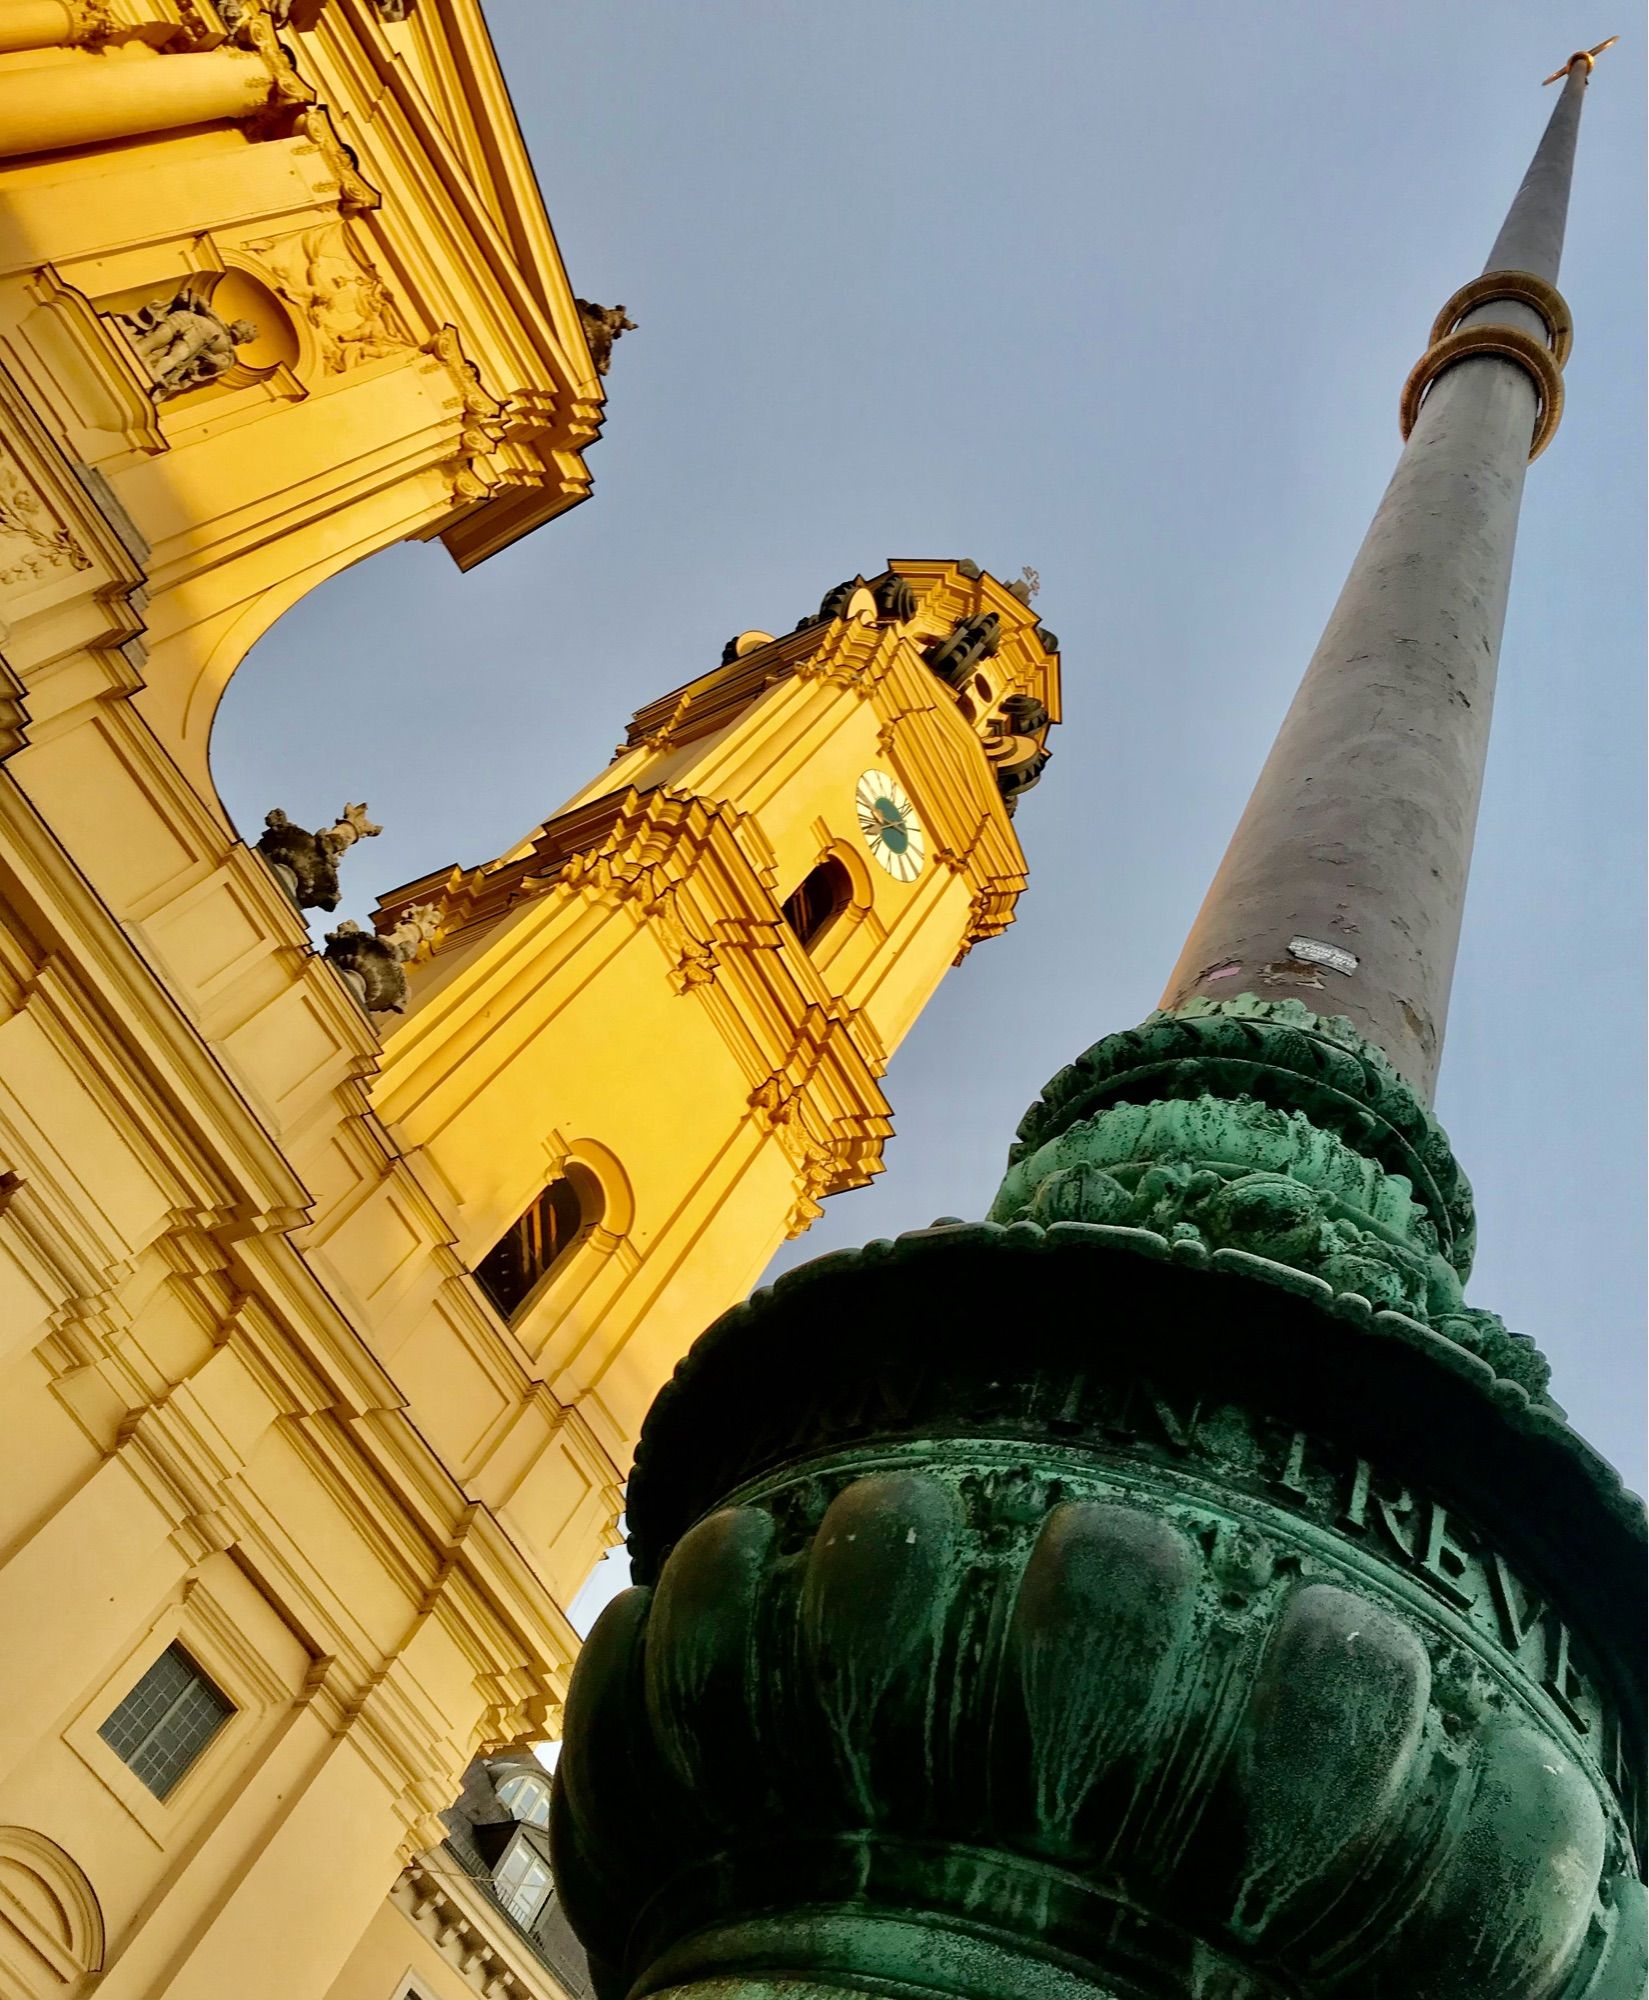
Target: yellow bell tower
[[641, 1047]]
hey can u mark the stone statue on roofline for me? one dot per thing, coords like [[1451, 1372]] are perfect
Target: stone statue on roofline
[[602, 326], [370, 962], [306, 864]]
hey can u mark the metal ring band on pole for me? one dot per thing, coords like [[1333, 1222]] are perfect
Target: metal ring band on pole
[[1510, 343], [1527, 290]]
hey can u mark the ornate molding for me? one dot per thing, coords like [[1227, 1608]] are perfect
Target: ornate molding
[[337, 295], [1257, 1127], [256, 29], [442, 1904], [1451, 342], [1280, 1053], [1507, 343], [1523, 288], [356, 194], [36, 544]]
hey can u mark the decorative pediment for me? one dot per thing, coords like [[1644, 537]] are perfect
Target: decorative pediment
[[418, 105]]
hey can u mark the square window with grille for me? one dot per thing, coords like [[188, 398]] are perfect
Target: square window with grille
[[167, 1720]]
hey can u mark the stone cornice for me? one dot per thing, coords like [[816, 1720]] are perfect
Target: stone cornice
[[417, 128], [682, 868]]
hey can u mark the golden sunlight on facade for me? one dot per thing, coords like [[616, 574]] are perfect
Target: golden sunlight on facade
[[334, 1286]]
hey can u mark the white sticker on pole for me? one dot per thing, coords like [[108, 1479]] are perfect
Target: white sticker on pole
[[1330, 955]]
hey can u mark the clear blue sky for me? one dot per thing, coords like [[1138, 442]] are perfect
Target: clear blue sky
[[1126, 292]]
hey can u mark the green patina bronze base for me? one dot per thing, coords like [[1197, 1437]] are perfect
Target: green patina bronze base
[[1126, 1597]]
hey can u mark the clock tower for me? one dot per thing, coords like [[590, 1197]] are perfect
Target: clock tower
[[640, 1048]]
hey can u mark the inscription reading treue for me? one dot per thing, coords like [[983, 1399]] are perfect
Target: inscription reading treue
[[1335, 1490], [1322, 1484]]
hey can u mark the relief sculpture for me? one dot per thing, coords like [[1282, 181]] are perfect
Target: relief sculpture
[[32, 542], [345, 304]]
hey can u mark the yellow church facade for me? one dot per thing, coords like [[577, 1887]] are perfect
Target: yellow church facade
[[334, 1285]]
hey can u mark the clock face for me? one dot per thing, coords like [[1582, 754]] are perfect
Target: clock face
[[888, 821]]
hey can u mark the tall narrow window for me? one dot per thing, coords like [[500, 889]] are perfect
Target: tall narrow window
[[521, 1882], [167, 1720], [819, 900], [564, 1213]]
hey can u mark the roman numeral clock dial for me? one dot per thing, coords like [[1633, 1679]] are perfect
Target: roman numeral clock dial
[[888, 821]]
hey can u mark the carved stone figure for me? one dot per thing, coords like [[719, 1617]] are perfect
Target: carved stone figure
[[307, 863], [33, 541], [392, 10], [602, 326], [235, 13], [371, 964], [183, 343]]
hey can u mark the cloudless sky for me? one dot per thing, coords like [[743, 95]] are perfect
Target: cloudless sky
[[1126, 292]]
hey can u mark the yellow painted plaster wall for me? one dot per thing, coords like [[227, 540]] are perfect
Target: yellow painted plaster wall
[[202, 1447], [254, 1401]]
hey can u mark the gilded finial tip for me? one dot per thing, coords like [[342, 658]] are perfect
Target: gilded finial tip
[[1586, 56]]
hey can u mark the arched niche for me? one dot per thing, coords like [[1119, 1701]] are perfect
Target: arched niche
[[51, 1929], [232, 293]]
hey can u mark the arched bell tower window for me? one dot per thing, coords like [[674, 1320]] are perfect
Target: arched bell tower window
[[561, 1217], [818, 901]]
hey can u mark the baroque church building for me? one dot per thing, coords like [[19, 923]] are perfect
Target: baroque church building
[[336, 1282]]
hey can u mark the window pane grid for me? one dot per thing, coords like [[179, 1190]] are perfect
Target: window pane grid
[[166, 1721], [522, 1884]]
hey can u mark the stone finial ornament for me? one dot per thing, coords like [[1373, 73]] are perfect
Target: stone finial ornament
[[183, 343], [371, 964], [602, 326], [307, 863]]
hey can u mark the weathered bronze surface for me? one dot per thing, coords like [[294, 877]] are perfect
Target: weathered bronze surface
[[1028, 1609]]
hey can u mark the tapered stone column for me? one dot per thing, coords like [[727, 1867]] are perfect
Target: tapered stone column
[[1168, 1588], [1345, 881]]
